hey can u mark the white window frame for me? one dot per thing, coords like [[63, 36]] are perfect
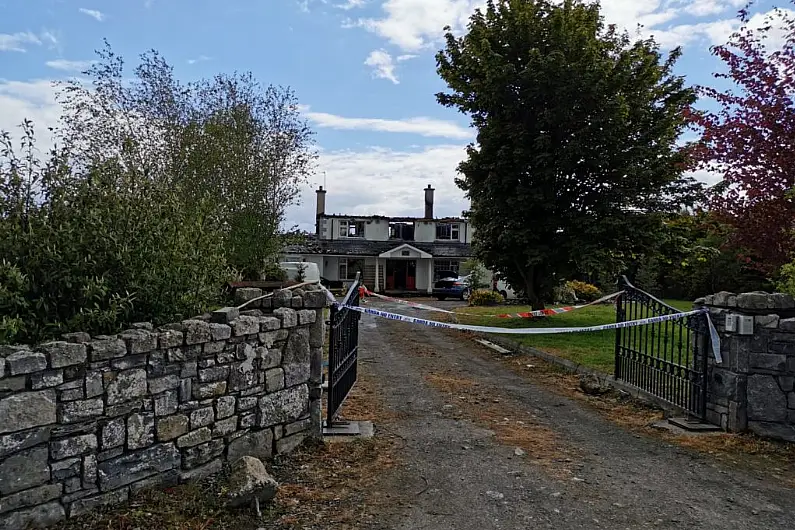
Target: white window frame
[[454, 230]]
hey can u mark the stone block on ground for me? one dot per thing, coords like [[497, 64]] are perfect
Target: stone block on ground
[[591, 385], [249, 481]]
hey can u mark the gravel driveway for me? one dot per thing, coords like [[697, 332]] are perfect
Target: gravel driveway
[[577, 471]]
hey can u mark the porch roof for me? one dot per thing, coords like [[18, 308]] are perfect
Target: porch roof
[[362, 247], [409, 249]]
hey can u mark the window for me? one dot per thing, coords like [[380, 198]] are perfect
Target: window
[[448, 231], [444, 267], [351, 228], [403, 231], [349, 268]]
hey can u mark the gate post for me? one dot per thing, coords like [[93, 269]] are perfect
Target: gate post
[[315, 299], [753, 388], [619, 318]]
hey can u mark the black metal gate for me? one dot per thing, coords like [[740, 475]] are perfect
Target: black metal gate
[[666, 359], [343, 350]]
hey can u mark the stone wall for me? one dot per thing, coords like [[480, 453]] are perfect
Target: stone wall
[[753, 388], [86, 421]]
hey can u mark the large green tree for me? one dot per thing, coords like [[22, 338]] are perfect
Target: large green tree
[[576, 151]]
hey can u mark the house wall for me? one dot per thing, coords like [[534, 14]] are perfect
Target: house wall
[[425, 231], [376, 230], [470, 232], [325, 228], [423, 280], [87, 422]]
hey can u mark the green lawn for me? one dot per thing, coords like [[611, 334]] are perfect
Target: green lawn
[[595, 349]]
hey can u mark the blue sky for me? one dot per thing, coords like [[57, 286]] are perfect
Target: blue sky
[[363, 69]]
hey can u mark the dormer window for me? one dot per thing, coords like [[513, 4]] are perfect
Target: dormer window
[[351, 228], [448, 231]]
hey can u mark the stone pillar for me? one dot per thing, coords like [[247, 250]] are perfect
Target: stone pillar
[[316, 299], [754, 387], [430, 276]]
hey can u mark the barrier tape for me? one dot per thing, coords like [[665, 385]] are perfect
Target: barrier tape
[[415, 305], [550, 312], [545, 331]]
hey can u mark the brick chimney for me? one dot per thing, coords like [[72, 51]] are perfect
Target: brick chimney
[[429, 202]]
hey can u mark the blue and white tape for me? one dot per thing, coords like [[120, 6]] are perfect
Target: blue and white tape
[[546, 331]]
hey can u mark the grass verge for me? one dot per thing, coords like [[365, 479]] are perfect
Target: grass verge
[[595, 349]]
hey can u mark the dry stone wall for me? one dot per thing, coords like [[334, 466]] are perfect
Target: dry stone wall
[[86, 422]]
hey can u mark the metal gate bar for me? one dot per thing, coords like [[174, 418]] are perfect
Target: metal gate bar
[[666, 359], [343, 351]]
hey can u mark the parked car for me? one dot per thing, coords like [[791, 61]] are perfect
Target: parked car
[[502, 287], [451, 285]]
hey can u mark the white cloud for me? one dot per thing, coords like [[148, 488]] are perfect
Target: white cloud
[[69, 66], [32, 100], [16, 42], [380, 181], [416, 25], [99, 16], [716, 32], [199, 59], [351, 4], [405, 57], [703, 8], [423, 126], [381, 63]]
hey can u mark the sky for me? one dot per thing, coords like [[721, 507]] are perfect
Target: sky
[[363, 70]]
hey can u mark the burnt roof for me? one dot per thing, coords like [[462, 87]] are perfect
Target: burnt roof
[[395, 219], [362, 247]]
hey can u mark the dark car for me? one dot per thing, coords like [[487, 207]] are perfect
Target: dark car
[[451, 285]]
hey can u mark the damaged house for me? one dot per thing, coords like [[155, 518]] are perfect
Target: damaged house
[[394, 254]]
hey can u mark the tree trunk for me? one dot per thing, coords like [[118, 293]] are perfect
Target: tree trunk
[[531, 288]]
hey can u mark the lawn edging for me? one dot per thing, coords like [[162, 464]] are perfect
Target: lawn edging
[[634, 392]]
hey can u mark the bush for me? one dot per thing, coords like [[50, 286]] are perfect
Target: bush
[[786, 282], [274, 273], [476, 275], [87, 253], [163, 190], [484, 297], [564, 294], [584, 291]]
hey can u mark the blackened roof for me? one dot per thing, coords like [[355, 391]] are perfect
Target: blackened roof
[[362, 247], [396, 219]]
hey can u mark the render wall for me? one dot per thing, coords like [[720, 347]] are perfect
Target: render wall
[[87, 421]]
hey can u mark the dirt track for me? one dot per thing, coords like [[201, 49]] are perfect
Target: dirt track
[[482, 447]]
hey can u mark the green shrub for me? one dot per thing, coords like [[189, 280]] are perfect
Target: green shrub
[[584, 291], [476, 274], [483, 297], [564, 294], [89, 253], [274, 273], [786, 283]]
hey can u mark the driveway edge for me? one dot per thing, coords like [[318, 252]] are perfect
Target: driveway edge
[[636, 393]]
